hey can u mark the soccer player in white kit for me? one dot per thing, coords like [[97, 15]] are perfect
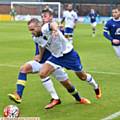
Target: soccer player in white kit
[[47, 17], [34, 27], [70, 18], [62, 54]]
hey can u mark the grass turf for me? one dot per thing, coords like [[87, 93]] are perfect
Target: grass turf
[[97, 56]]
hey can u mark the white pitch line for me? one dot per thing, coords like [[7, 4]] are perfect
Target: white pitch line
[[102, 72], [6, 65], [97, 72], [112, 116]]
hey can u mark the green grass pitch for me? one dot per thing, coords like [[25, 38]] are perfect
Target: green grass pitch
[[97, 56]]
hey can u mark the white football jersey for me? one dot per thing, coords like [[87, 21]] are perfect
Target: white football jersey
[[70, 18], [40, 41], [58, 45]]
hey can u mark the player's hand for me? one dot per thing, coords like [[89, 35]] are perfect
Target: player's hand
[[61, 25], [115, 41], [37, 58]]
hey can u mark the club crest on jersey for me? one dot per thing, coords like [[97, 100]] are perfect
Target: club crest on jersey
[[117, 31]]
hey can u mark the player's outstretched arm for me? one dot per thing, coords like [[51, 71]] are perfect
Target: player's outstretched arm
[[42, 50], [37, 56], [63, 19], [107, 35], [54, 28]]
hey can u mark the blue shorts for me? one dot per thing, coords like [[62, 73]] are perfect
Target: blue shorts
[[68, 31], [46, 55], [70, 61]]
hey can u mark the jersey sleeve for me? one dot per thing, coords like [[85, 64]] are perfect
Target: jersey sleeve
[[106, 31], [36, 49], [76, 17]]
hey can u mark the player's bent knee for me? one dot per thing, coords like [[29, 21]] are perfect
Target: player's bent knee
[[42, 75], [26, 68]]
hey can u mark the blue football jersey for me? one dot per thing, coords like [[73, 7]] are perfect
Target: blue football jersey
[[93, 17], [112, 29]]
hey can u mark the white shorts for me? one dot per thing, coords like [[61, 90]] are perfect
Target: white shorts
[[36, 66], [59, 73], [117, 50], [94, 24]]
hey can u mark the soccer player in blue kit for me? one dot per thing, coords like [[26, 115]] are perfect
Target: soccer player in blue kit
[[93, 15], [112, 30]]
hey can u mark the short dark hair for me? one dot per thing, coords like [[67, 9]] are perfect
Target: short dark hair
[[33, 20], [49, 10], [115, 8]]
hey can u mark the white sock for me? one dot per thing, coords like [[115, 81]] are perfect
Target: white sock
[[71, 40], [48, 84], [91, 81]]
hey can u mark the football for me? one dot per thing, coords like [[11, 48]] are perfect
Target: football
[[11, 111]]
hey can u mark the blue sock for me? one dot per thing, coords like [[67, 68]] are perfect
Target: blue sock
[[22, 77], [74, 93]]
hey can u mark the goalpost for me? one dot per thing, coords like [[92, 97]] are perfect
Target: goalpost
[[27, 10]]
